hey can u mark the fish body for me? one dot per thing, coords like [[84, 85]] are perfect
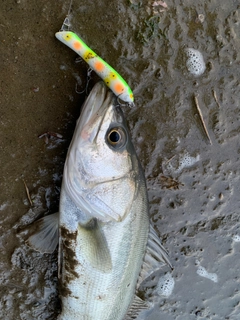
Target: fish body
[[104, 221], [110, 76], [106, 243]]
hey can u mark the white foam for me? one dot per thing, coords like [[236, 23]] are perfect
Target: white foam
[[236, 238], [185, 161], [201, 271], [165, 285], [195, 62]]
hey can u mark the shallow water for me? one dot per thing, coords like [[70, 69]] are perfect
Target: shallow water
[[193, 184]]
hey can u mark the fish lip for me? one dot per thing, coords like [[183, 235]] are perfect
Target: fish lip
[[95, 100], [94, 110]]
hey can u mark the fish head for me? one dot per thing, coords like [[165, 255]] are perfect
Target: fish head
[[101, 168]]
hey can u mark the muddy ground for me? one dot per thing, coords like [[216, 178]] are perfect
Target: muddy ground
[[192, 178]]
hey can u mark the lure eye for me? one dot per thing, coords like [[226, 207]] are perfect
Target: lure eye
[[116, 137]]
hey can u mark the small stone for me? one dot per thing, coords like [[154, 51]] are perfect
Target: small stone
[[35, 89], [200, 18], [221, 196]]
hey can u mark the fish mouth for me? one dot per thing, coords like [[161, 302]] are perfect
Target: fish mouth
[[95, 100], [93, 112]]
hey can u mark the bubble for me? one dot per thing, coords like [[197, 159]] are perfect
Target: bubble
[[185, 161], [236, 238], [201, 18], [195, 63], [165, 285], [201, 271]]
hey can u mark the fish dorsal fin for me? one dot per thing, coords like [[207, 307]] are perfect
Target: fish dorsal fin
[[136, 307], [155, 257], [45, 239], [94, 246]]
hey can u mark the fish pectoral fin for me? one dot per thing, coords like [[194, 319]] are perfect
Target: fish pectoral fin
[[155, 257], [94, 247], [136, 307], [45, 239], [104, 203], [102, 211]]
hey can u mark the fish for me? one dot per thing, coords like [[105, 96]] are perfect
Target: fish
[[110, 76], [107, 246]]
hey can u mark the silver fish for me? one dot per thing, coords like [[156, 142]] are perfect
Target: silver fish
[[106, 244]]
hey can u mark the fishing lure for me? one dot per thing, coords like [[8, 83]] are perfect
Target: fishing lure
[[111, 78]]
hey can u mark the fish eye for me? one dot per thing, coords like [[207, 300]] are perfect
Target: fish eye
[[116, 137]]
